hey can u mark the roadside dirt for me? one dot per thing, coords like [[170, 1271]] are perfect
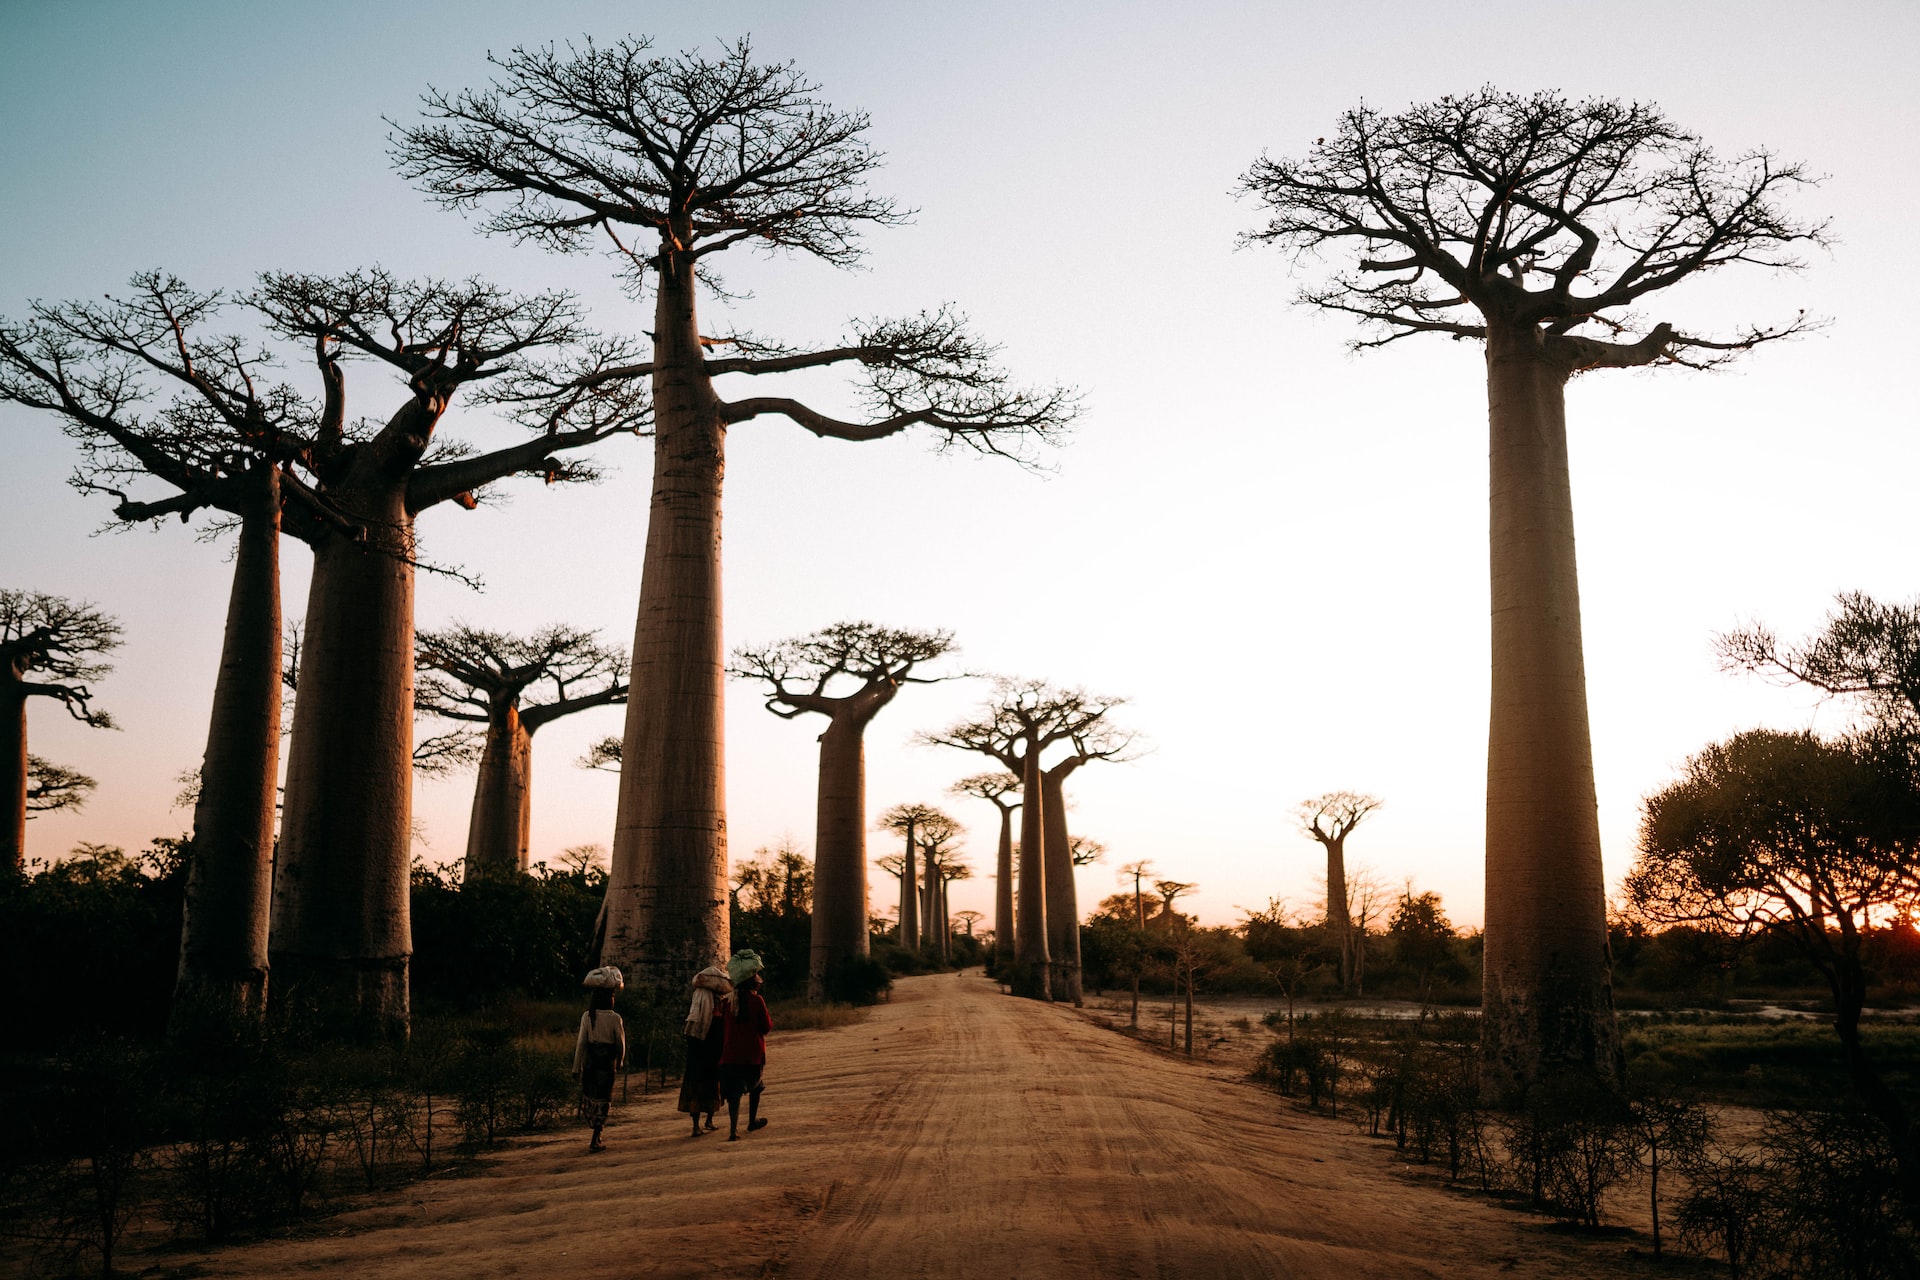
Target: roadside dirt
[[956, 1132]]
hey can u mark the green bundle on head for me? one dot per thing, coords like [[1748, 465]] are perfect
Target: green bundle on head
[[744, 965]]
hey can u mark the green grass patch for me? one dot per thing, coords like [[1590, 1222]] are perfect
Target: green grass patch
[[1763, 1063]]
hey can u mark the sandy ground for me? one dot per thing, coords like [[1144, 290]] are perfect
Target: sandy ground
[[955, 1132]]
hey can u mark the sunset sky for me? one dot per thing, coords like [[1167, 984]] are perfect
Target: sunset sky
[[1275, 548]]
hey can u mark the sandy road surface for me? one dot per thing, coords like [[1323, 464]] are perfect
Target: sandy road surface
[[956, 1132]]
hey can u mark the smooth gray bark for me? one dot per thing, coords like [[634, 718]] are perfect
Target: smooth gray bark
[[1003, 925], [500, 826], [1063, 898], [342, 939], [666, 914], [1547, 1002], [222, 977], [839, 851], [1032, 975]]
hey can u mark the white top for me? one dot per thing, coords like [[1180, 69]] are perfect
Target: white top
[[602, 1026]]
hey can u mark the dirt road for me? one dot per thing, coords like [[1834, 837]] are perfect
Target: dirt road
[[956, 1132]]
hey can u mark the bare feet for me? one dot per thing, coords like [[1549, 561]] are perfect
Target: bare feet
[[733, 1137], [755, 1124]]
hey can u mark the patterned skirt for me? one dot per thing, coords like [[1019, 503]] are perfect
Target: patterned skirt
[[596, 1084]]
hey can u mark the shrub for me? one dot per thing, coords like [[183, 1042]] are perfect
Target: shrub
[[858, 980], [1835, 1211]]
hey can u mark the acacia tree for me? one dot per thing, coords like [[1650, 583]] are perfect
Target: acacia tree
[[995, 788], [1137, 871], [1534, 225], [227, 441], [485, 677], [906, 820], [340, 930], [62, 642], [1022, 720], [1812, 840], [676, 159], [846, 672], [1329, 819], [1178, 946], [1868, 651]]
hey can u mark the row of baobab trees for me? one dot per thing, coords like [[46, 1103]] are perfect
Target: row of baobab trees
[[1538, 228]]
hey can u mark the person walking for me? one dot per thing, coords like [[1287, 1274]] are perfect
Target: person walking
[[706, 1032], [743, 1058], [600, 1051]]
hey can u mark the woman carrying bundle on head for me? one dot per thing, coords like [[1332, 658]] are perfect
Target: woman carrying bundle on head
[[600, 1051], [743, 1058], [706, 1032]]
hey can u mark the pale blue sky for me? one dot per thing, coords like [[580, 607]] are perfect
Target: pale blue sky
[[1277, 548]]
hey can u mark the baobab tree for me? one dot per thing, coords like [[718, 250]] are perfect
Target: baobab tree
[[939, 854], [995, 788], [1170, 891], [340, 931], [1022, 719], [50, 647], [603, 755], [950, 870], [907, 821], [227, 441], [52, 788], [675, 159], [1330, 819], [1095, 740], [968, 919], [490, 678], [1084, 851], [1539, 227], [846, 672]]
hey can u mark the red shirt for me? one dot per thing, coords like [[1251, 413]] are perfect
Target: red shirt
[[747, 1028]]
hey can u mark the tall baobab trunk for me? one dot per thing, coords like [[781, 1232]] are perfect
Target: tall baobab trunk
[[13, 768], [1063, 899], [1339, 917], [222, 979], [910, 894], [942, 919], [342, 940], [839, 853], [930, 871], [667, 896], [500, 828], [1003, 892], [1547, 1007], [1031, 975]]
